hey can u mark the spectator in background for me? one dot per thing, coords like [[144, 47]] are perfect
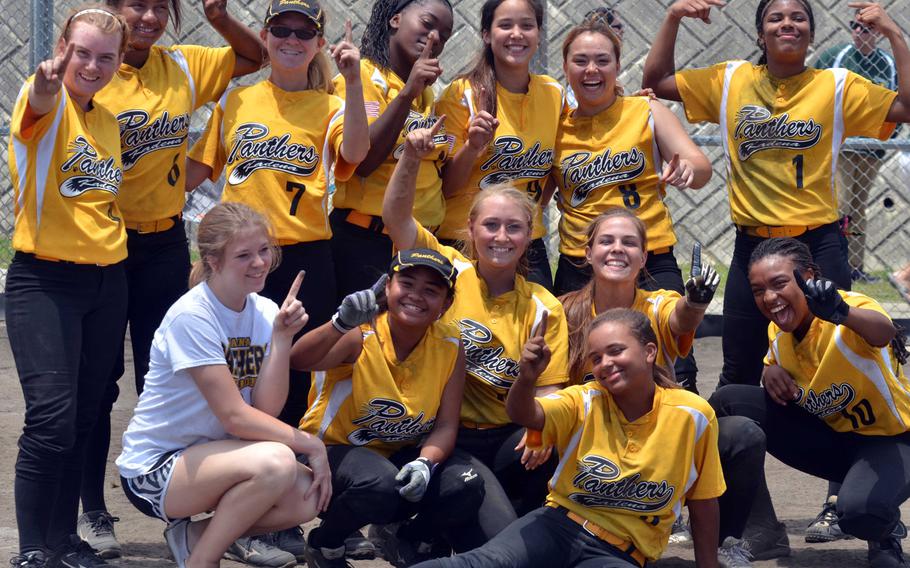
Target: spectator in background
[[857, 168]]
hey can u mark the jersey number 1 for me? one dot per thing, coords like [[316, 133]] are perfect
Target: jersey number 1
[[295, 201], [798, 164]]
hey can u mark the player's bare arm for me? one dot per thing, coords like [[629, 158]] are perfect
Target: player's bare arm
[[689, 168], [704, 517], [356, 141], [248, 47]]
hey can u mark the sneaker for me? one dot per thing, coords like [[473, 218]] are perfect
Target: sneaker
[[765, 543], [176, 537], [290, 540], [33, 559], [256, 551], [317, 557], [859, 275], [97, 529], [886, 554], [397, 551], [733, 554], [359, 547], [680, 534], [825, 528], [75, 553]]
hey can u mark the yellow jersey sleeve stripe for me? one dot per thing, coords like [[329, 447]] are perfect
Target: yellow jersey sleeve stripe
[[655, 152], [181, 62], [340, 393], [840, 78], [870, 369], [328, 162], [318, 388], [569, 454]]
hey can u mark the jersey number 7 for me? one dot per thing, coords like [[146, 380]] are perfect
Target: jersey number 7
[[295, 201]]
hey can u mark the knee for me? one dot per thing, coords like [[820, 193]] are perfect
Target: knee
[[863, 517], [274, 465], [740, 439], [461, 491]]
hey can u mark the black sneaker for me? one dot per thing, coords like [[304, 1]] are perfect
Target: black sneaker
[[317, 557], [291, 541], [859, 275], [359, 547], [825, 528], [33, 559], [255, 551], [398, 551], [886, 554], [75, 553]]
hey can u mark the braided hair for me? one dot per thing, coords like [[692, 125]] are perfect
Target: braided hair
[[793, 249], [762, 9], [374, 44]]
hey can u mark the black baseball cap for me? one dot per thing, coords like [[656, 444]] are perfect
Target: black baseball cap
[[309, 8], [425, 257]]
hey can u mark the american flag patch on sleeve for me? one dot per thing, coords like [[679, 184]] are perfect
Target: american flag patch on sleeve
[[371, 108]]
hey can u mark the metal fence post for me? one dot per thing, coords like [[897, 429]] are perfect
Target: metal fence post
[[42, 32]]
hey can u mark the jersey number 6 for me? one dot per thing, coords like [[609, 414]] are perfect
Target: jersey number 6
[[295, 201]]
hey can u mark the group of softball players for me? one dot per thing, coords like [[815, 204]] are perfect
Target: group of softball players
[[399, 354]]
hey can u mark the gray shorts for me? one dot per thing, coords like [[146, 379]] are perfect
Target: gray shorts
[[146, 492]]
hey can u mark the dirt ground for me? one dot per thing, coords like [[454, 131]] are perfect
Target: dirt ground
[[797, 496]]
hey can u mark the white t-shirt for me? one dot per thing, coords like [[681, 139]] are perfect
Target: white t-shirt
[[198, 330]]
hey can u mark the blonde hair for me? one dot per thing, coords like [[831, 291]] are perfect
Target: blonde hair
[[594, 25], [218, 228], [578, 304], [101, 18], [516, 196], [638, 325]]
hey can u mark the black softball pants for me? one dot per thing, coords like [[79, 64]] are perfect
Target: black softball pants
[[364, 491], [361, 255], [65, 322], [874, 470], [157, 272], [661, 273], [745, 334], [318, 295]]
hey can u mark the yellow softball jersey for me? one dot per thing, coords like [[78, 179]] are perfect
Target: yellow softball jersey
[[66, 172], [658, 305], [610, 160], [278, 147], [781, 137], [380, 402], [364, 194], [521, 151], [632, 478], [493, 331], [153, 105], [851, 385]]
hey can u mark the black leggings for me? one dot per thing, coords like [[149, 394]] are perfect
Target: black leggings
[[874, 470], [65, 322], [157, 270], [364, 491], [661, 273], [361, 255], [745, 335]]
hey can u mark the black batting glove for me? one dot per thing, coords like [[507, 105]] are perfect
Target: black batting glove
[[702, 283], [823, 299], [359, 307]]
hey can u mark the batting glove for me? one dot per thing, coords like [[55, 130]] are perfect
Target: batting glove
[[415, 476], [823, 299], [359, 307], [702, 283]]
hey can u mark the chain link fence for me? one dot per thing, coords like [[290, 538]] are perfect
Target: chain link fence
[[702, 214]]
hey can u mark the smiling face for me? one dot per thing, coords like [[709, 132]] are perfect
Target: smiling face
[[514, 35], [417, 296], [786, 31], [95, 59], [500, 231], [245, 262], [291, 53], [619, 361], [412, 26], [616, 253], [777, 294], [147, 20], [591, 67]]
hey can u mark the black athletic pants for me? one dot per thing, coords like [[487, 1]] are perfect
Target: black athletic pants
[[661, 273], [745, 335], [874, 470], [364, 491], [157, 272], [317, 293], [361, 255], [65, 322]]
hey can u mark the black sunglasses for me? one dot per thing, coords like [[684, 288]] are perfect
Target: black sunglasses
[[860, 27], [284, 31]]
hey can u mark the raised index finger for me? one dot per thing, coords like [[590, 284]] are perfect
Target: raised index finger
[[429, 46], [800, 282], [61, 64], [541, 330], [437, 125], [695, 269], [348, 31], [295, 286]]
